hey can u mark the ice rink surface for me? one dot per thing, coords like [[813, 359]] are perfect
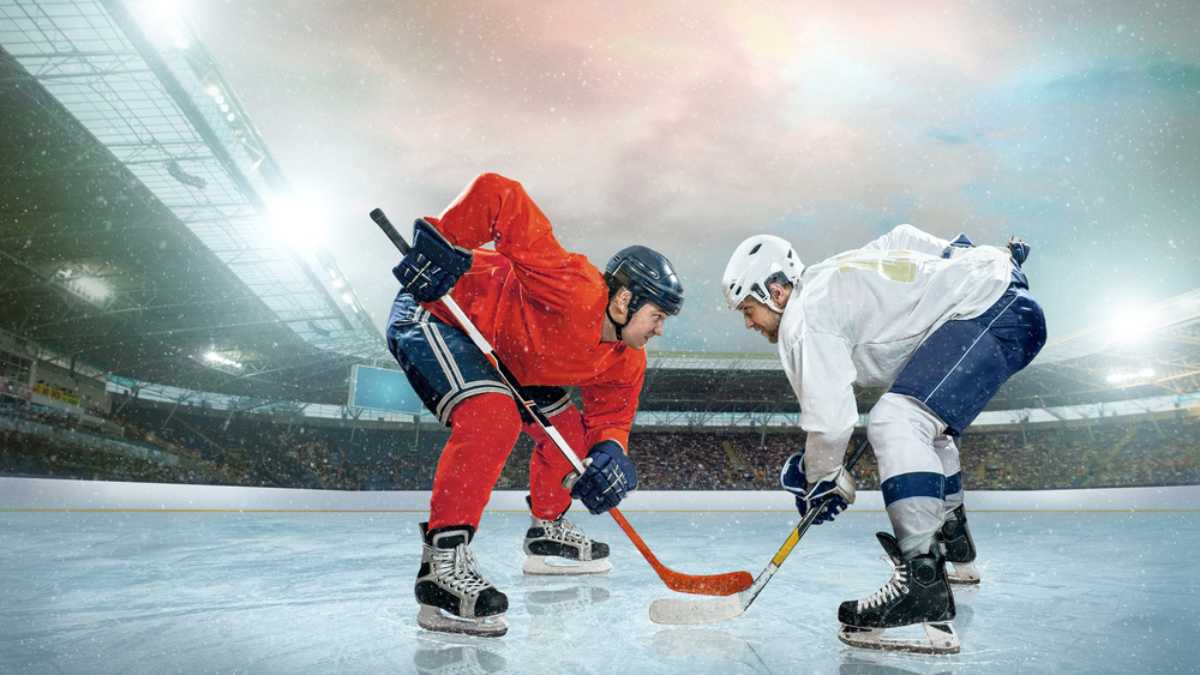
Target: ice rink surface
[[132, 592]]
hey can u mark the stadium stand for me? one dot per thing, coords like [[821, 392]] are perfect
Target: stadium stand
[[1120, 452], [154, 442], [146, 265]]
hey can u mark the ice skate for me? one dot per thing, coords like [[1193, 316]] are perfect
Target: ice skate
[[558, 547], [960, 548], [454, 596], [917, 594]]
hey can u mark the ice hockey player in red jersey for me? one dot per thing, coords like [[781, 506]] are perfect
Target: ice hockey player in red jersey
[[555, 321]]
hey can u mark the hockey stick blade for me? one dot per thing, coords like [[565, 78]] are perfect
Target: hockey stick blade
[[678, 612], [726, 583], [673, 611]]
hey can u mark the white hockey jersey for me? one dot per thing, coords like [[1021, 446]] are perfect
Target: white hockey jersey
[[857, 317]]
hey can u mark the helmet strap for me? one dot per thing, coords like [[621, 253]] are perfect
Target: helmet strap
[[618, 326]]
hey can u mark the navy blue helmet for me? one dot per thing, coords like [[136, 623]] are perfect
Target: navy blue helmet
[[648, 275]]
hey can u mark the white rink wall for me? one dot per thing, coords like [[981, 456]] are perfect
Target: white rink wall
[[55, 494]]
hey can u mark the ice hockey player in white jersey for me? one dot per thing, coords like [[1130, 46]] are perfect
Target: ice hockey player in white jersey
[[941, 325]]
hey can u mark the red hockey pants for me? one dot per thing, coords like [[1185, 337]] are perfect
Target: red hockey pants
[[483, 430]]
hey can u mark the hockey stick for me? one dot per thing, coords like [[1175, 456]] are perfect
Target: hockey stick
[[676, 612], [703, 584]]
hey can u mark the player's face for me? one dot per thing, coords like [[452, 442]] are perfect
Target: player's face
[[645, 323], [760, 318]]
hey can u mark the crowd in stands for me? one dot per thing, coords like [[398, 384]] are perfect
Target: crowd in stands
[[43, 441], [157, 442], [1130, 452]]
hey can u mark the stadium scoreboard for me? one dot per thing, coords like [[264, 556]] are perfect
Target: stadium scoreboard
[[382, 389]]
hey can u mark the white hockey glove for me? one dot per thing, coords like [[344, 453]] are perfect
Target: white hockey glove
[[831, 493]]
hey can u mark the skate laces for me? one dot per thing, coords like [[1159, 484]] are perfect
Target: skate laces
[[891, 590], [565, 531], [458, 569]]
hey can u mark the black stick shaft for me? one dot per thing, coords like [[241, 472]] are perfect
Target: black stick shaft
[[858, 452], [506, 375], [384, 224]]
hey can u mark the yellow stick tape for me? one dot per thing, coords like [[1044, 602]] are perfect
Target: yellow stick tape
[[787, 547]]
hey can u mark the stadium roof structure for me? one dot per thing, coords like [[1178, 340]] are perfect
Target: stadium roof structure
[[135, 239], [136, 212], [1152, 354]]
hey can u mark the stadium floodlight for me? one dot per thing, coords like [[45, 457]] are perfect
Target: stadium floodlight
[[164, 19], [92, 288], [1132, 324], [220, 360], [83, 284], [1123, 377], [296, 222]]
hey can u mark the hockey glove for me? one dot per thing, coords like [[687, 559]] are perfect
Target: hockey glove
[[830, 493], [607, 477], [1019, 250], [960, 243], [432, 265]]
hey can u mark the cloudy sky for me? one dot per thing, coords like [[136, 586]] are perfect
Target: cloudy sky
[[688, 126]]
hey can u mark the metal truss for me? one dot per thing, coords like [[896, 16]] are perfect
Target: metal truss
[[164, 111]]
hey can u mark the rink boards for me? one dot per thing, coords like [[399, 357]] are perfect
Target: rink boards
[[54, 494]]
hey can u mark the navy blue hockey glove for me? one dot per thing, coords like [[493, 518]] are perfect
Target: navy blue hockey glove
[[608, 476], [1019, 250], [960, 243], [432, 265], [831, 493]]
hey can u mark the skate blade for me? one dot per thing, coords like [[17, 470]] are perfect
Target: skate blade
[[544, 564], [940, 638], [965, 574], [441, 621]]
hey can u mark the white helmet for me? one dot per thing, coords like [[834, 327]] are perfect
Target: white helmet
[[760, 259]]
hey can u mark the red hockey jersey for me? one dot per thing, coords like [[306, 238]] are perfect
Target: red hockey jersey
[[539, 305]]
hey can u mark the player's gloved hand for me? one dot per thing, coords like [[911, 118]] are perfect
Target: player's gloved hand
[[959, 244], [831, 493], [1019, 250], [432, 265], [608, 475]]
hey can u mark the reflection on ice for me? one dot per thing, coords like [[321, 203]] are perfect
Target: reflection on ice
[[718, 650], [860, 662], [320, 593], [439, 654], [962, 622], [552, 596]]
